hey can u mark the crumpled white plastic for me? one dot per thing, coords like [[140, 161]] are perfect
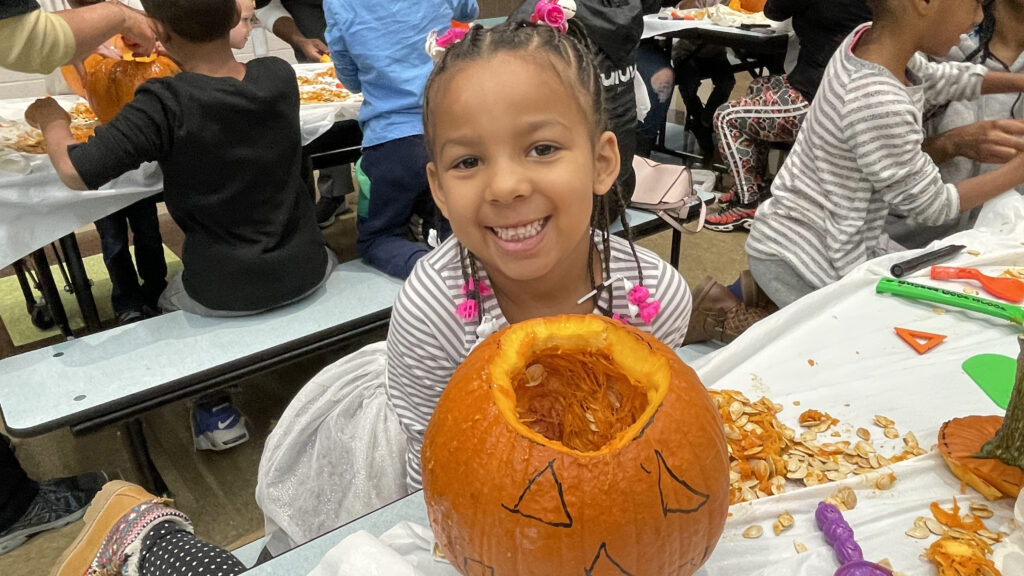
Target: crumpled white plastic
[[405, 550], [337, 452], [1008, 555], [14, 163], [722, 15]]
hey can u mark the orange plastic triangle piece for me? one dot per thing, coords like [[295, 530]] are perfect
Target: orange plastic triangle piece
[[914, 338]]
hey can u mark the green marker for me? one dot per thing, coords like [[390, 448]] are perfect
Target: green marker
[[905, 289]]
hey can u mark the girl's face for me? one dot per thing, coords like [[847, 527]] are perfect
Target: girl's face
[[516, 166], [951, 19], [240, 33]]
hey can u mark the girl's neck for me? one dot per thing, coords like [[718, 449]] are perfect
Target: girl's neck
[[555, 293], [1008, 40], [210, 59], [887, 48]]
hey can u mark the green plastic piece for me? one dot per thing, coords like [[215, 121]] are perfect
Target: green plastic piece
[[994, 374], [905, 289]]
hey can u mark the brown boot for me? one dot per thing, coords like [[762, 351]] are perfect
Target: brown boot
[[718, 315]]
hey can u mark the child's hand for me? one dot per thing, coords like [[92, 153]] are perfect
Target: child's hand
[[989, 141], [45, 111]]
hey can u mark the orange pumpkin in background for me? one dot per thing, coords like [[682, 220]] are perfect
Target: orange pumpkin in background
[[575, 445], [748, 5], [110, 83]]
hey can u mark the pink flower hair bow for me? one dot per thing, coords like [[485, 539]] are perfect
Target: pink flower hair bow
[[554, 13]]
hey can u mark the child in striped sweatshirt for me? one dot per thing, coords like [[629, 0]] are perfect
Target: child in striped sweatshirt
[[859, 150]]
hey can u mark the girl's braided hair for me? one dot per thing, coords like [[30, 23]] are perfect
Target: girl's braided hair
[[571, 57]]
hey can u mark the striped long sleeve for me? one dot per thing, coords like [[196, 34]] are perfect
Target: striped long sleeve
[[858, 153]]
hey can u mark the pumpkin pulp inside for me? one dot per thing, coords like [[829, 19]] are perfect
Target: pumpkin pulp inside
[[576, 386], [580, 400]]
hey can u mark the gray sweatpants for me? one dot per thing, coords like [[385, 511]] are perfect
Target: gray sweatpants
[[778, 280]]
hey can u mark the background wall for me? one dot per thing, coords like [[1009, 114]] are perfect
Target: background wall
[[18, 85]]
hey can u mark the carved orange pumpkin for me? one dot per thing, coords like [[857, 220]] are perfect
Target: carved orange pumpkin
[[110, 83], [575, 445]]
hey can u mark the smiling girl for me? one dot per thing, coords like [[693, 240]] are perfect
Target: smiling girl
[[520, 147]]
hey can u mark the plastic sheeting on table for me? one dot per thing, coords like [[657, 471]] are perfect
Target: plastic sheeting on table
[[36, 208]]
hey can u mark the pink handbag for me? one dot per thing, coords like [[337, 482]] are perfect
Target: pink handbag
[[667, 191]]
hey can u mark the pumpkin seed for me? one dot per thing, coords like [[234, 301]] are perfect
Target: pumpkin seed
[[981, 510], [885, 482], [911, 441], [799, 546], [534, 375], [992, 537], [892, 433], [919, 522], [885, 562], [974, 253], [918, 532], [863, 434], [752, 532], [735, 410], [786, 519], [883, 422]]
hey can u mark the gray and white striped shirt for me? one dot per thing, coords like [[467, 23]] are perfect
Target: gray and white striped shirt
[[858, 153], [427, 341]]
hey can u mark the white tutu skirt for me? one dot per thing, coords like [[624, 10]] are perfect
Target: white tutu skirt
[[337, 453]]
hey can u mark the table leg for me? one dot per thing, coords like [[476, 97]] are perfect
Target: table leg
[[151, 478], [677, 241], [80, 282], [50, 292]]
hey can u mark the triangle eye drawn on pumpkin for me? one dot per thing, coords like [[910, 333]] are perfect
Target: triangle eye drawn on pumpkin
[[536, 501], [677, 496], [471, 567], [605, 565]]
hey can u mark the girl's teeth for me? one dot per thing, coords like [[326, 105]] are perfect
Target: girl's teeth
[[519, 233]]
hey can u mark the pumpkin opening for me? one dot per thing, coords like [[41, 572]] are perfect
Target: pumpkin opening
[[578, 387], [582, 400]]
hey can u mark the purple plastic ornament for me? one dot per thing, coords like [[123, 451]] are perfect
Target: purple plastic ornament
[[839, 535]]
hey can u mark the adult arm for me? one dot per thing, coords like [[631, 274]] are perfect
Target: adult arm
[[93, 25], [277, 19]]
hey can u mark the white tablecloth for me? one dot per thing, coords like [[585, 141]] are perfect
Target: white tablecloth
[[860, 369], [655, 26], [37, 208]]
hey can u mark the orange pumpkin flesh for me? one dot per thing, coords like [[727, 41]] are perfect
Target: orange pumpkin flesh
[[110, 83], [574, 445], [961, 439]]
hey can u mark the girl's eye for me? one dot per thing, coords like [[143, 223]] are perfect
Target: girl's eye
[[467, 163], [543, 150]]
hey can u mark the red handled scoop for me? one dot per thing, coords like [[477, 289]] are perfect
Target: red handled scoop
[[1009, 289]]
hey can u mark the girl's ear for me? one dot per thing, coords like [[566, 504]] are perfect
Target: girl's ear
[[435, 189], [606, 162]]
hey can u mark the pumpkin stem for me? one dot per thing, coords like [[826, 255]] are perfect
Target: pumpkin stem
[[1008, 443]]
